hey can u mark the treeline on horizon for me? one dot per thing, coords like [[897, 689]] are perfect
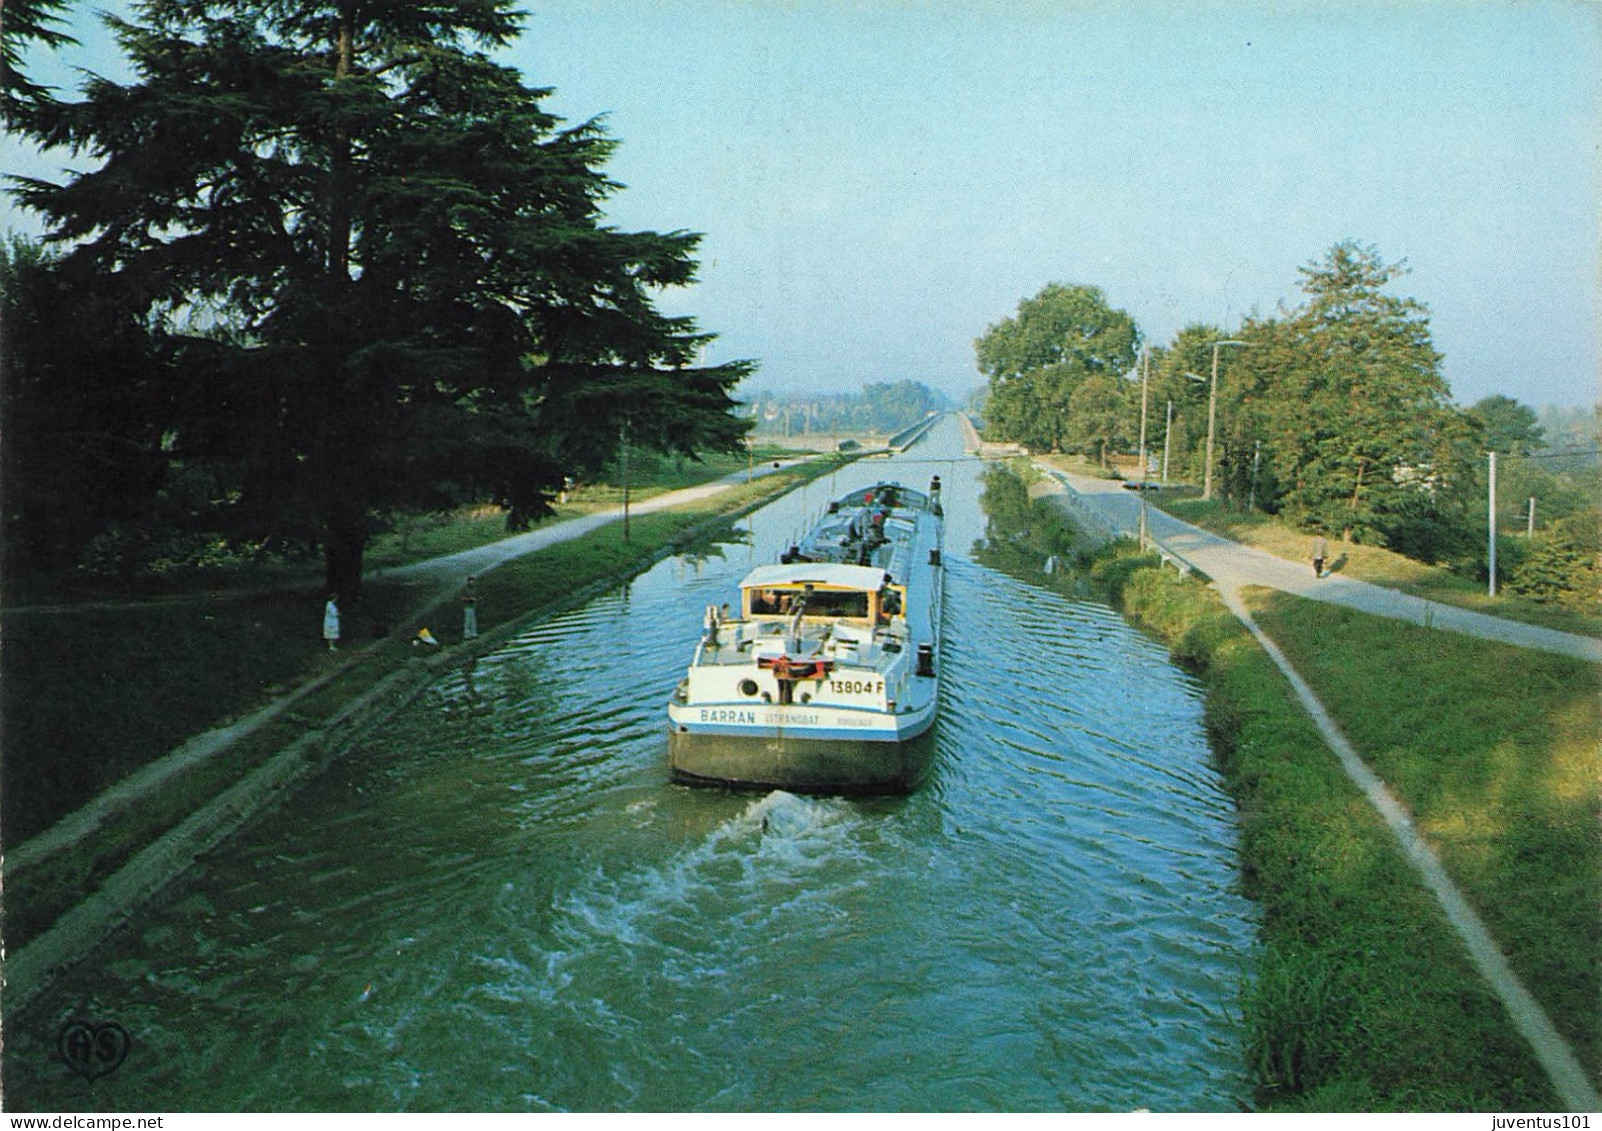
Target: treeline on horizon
[[325, 265], [1334, 415], [881, 407]]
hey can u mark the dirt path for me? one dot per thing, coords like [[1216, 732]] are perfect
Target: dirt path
[[455, 567], [1233, 566]]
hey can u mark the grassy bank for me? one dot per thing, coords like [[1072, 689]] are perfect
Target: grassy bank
[[1376, 564], [1361, 997], [93, 694], [1494, 750]]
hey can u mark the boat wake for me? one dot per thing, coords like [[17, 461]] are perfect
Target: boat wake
[[758, 865]]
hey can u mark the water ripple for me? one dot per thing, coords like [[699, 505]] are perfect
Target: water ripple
[[501, 903]]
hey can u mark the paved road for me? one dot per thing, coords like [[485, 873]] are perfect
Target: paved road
[[1233, 566]]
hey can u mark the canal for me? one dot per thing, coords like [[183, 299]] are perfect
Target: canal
[[499, 903]]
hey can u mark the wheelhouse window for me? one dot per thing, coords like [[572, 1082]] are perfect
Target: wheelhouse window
[[782, 600]]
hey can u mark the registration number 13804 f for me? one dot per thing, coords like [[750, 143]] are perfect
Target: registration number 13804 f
[[856, 686]]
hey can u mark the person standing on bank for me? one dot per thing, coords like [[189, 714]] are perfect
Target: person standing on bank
[[1320, 549], [331, 622], [470, 610]]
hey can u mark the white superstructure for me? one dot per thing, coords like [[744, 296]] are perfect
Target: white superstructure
[[826, 676]]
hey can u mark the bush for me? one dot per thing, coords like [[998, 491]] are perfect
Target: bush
[[1419, 529], [1561, 567]]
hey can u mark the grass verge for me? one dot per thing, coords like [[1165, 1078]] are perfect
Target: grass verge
[[1375, 564], [1361, 997], [1494, 750]]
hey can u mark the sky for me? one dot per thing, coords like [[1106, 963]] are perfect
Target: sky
[[880, 181]]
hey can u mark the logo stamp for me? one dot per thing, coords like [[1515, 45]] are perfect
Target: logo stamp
[[93, 1049]]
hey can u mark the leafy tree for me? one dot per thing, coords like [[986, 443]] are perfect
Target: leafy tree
[[1562, 566], [1576, 433], [879, 407], [379, 265], [83, 445], [1347, 398], [1035, 360], [895, 406], [1174, 369], [1509, 426], [1098, 416]]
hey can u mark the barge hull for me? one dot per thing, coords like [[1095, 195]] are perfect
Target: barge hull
[[800, 764]]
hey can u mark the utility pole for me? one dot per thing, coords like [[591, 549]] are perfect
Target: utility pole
[[1212, 417], [1168, 432], [1145, 375], [1492, 523], [1529, 531]]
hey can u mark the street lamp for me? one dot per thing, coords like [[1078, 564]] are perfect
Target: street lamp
[[1200, 380], [1145, 375], [1212, 416]]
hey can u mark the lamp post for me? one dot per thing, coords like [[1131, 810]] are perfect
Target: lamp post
[[1168, 433], [1212, 416], [1145, 375], [1200, 380], [1491, 525]]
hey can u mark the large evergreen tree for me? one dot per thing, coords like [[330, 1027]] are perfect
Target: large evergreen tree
[[82, 431], [380, 265], [25, 23]]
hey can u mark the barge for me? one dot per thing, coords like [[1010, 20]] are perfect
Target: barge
[[826, 677]]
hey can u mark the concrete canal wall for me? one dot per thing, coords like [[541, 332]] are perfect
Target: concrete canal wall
[[31, 968]]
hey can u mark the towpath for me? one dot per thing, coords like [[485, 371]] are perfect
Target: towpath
[[442, 576], [1232, 566], [454, 567]]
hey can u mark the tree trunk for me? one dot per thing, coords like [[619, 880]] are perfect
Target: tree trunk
[[344, 544], [339, 213], [1357, 489]]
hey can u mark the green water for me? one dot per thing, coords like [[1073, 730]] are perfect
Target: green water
[[500, 903]]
